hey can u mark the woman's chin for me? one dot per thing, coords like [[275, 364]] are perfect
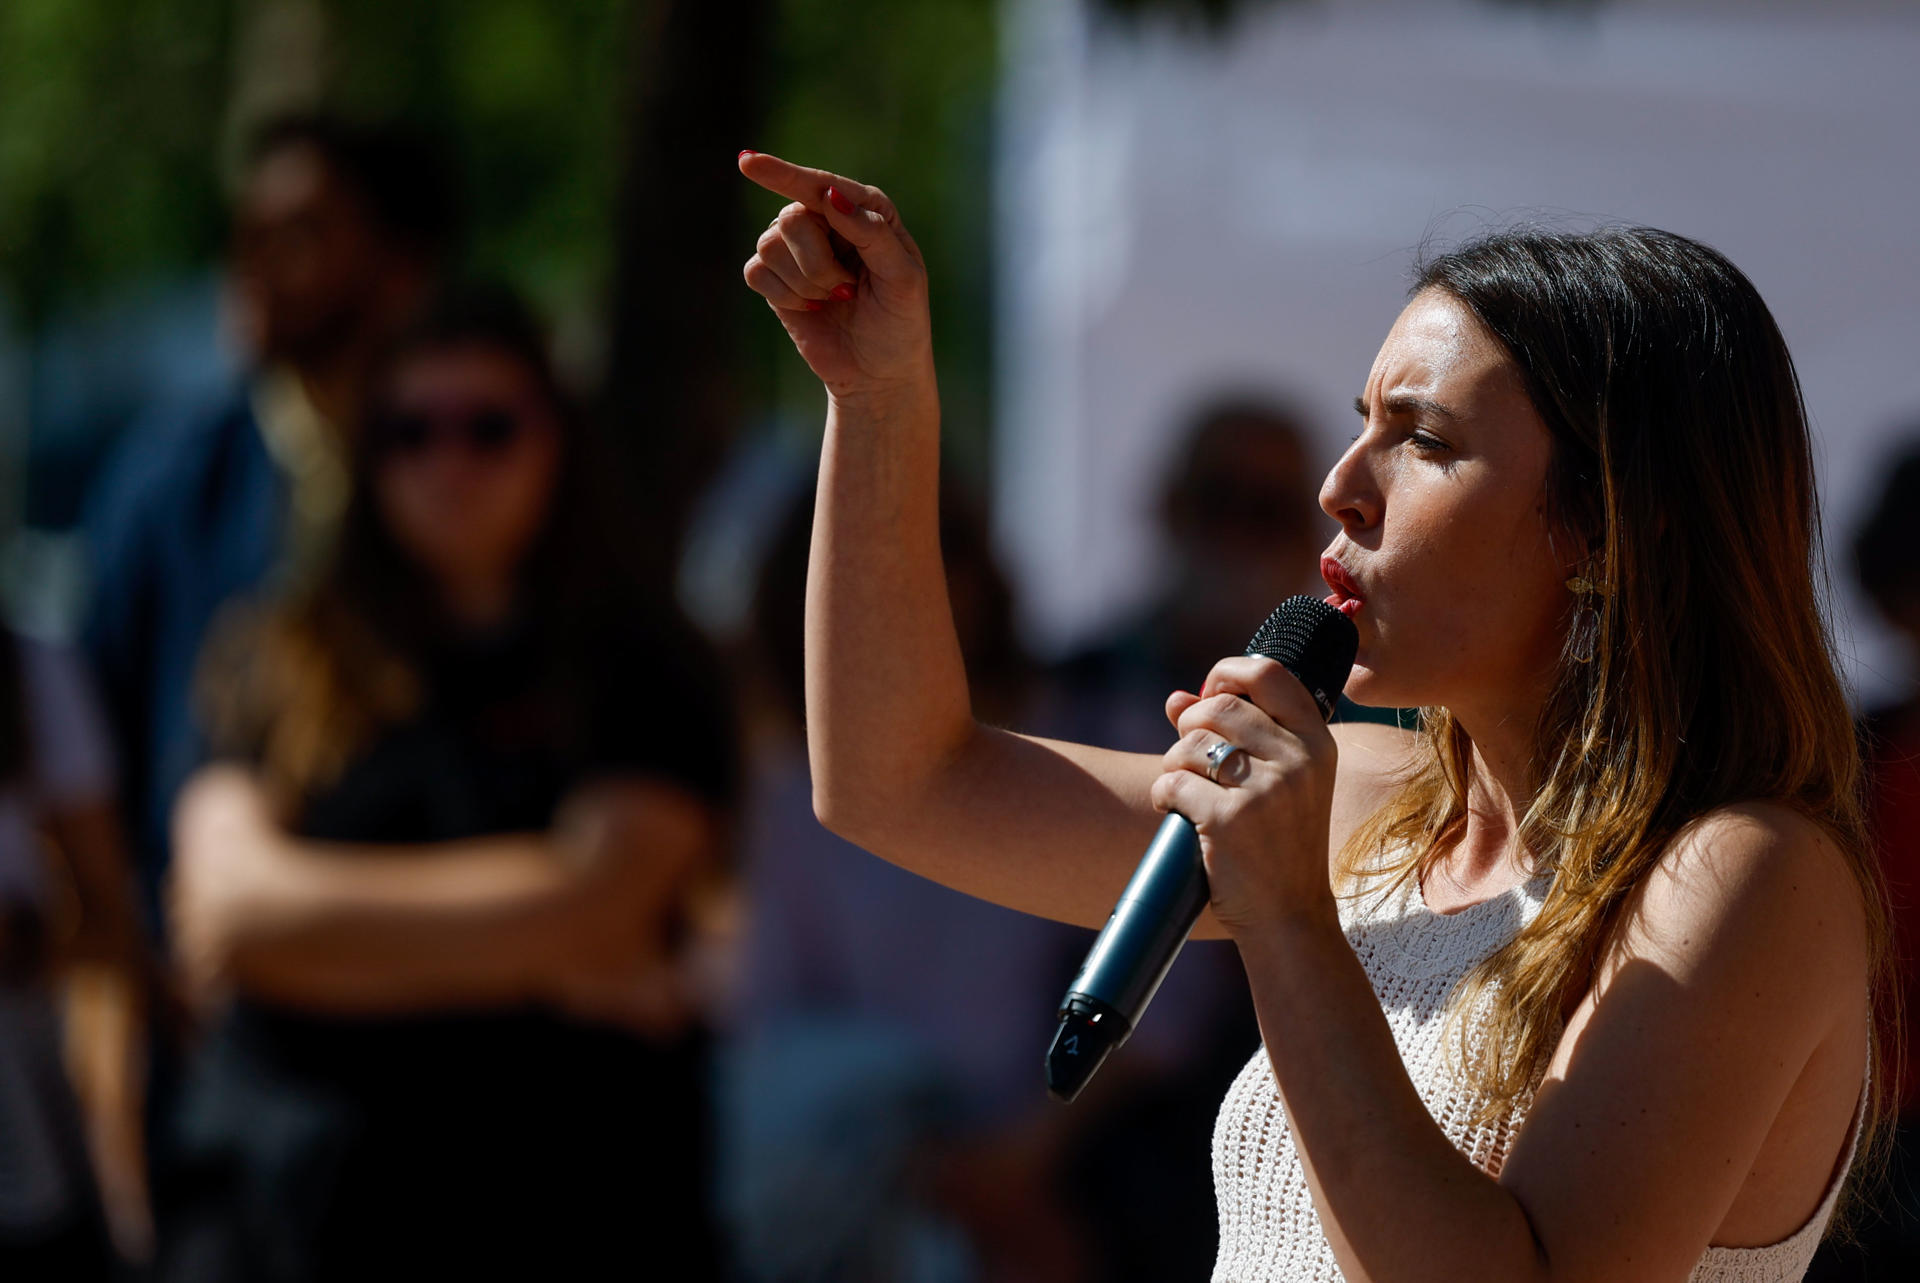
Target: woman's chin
[[1370, 688]]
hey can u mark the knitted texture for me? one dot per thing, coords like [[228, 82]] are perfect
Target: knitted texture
[[1269, 1230]]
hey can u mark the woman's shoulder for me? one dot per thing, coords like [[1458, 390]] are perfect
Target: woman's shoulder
[[1760, 881], [1762, 851]]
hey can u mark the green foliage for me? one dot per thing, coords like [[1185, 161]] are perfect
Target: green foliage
[[114, 115], [899, 93], [527, 93], [109, 110]]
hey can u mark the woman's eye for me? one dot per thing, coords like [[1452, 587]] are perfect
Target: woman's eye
[[1427, 443]]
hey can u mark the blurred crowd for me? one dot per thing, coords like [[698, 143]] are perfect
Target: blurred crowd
[[396, 881]]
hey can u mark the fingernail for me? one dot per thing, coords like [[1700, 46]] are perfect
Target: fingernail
[[843, 292], [840, 202], [743, 155], [815, 307]]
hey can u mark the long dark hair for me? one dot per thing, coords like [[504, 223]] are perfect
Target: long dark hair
[[303, 684], [1682, 465]]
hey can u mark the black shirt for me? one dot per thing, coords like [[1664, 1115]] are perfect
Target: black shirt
[[488, 1141]]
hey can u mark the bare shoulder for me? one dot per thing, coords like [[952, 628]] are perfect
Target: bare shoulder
[[1727, 1031], [1375, 760], [1753, 881]]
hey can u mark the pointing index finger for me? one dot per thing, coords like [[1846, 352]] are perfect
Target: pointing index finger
[[797, 182], [862, 215]]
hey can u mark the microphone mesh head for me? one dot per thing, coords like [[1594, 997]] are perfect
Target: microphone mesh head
[[1315, 642]]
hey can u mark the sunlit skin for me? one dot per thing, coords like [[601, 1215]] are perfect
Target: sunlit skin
[[1444, 528], [1710, 1070], [465, 515], [1443, 523]]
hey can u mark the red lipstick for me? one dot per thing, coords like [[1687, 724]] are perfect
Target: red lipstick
[[1345, 597]]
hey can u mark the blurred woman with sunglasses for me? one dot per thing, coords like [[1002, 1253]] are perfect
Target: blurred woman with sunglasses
[[449, 878]]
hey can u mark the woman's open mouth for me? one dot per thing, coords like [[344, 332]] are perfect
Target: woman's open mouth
[[1345, 596]]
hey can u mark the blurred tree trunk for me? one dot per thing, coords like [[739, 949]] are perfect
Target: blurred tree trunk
[[696, 98]]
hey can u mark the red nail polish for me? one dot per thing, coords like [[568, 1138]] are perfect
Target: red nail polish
[[843, 292], [840, 202], [743, 155]]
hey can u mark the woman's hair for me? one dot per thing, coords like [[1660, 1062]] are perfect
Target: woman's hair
[[1681, 465], [302, 684]]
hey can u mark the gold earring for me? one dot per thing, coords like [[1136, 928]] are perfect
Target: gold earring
[[1586, 619]]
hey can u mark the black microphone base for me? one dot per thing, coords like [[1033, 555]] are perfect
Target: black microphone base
[[1089, 1030]]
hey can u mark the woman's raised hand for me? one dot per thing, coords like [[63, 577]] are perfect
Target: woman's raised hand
[[845, 278]]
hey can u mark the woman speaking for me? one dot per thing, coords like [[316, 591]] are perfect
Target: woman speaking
[[1578, 981]]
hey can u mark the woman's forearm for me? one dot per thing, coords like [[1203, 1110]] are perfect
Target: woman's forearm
[[1397, 1201], [887, 699], [899, 763], [369, 929]]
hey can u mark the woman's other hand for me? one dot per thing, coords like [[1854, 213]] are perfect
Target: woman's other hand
[[844, 276], [227, 853], [1264, 823], [637, 851]]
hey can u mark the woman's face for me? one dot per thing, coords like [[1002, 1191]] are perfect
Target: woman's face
[[1453, 580], [468, 450]]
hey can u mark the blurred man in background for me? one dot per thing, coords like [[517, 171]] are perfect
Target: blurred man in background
[[338, 233], [72, 1170], [1887, 1244]]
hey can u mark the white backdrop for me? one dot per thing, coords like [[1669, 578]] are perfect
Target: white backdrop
[[1180, 214]]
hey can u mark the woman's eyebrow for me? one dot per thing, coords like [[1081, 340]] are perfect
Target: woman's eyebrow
[[1402, 402]]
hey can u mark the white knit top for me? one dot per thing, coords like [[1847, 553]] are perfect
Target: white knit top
[[1269, 1231]]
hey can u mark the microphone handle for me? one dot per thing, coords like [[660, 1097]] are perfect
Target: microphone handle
[[1134, 952], [1149, 923]]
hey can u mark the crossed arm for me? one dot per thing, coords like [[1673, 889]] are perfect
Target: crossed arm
[[492, 921]]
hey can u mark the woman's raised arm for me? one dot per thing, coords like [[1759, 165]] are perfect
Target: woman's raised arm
[[899, 764]]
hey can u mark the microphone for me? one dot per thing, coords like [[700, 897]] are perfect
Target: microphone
[[1156, 912]]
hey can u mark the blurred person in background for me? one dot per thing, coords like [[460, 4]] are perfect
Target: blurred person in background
[[72, 1174], [887, 1121], [439, 894], [1243, 531], [1241, 520], [1884, 549], [339, 231]]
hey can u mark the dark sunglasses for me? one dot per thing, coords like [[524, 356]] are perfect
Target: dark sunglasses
[[482, 430]]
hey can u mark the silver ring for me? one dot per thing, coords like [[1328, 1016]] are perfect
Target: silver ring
[[1217, 757]]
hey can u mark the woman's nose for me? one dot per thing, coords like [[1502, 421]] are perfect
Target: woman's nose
[[1351, 494]]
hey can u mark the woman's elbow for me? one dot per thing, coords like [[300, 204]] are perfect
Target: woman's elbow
[[835, 810]]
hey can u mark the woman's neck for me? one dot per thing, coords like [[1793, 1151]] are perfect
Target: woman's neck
[[478, 603], [1490, 853]]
